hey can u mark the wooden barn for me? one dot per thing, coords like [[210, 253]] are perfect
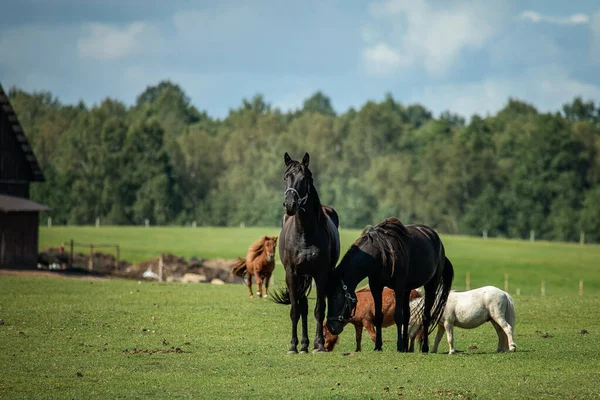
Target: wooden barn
[[18, 215]]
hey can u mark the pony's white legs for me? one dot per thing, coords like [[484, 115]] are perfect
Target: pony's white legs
[[500, 317], [438, 337], [450, 336], [502, 339], [508, 331]]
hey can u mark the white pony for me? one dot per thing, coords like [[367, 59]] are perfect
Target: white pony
[[475, 307]]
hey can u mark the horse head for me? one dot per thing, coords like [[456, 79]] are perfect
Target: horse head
[[269, 247], [298, 181], [341, 303], [330, 339]]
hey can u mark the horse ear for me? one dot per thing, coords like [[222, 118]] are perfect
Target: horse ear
[[305, 160], [275, 239], [287, 159]]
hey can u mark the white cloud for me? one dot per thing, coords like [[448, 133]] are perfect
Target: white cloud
[[574, 19], [547, 88], [109, 42], [431, 36], [381, 59]]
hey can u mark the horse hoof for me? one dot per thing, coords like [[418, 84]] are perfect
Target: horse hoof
[[319, 351], [303, 351], [266, 295], [251, 296], [293, 352]]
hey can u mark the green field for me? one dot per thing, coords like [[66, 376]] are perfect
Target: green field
[[560, 265], [86, 339]]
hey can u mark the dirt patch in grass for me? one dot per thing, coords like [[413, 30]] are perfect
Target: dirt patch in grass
[[175, 350]]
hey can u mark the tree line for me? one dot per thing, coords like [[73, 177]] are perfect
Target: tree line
[[163, 160]]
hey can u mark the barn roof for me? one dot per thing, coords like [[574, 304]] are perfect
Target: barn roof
[[18, 204], [20, 136]]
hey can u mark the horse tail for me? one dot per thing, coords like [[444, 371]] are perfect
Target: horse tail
[[442, 292], [510, 312], [281, 295], [239, 267]]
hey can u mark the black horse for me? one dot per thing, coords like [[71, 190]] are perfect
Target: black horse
[[309, 248], [399, 257]]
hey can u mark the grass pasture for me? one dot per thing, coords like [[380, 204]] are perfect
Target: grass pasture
[[560, 265], [73, 338]]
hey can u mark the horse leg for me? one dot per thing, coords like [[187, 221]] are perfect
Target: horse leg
[[502, 339], [430, 294], [376, 291], [438, 338], [359, 329], [320, 316], [303, 306], [508, 331], [450, 336], [399, 319], [406, 314], [250, 285], [259, 284], [291, 282], [498, 314], [267, 279]]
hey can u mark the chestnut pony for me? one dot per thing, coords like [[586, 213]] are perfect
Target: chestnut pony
[[259, 262], [309, 247], [399, 257], [364, 316]]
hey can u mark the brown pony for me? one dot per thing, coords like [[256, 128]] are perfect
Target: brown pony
[[364, 317], [259, 262]]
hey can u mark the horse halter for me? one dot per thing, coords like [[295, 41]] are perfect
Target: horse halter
[[301, 200], [349, 302]]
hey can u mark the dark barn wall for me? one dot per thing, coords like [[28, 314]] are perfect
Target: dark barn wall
[[15, 170], [18, 239], [15, 189]]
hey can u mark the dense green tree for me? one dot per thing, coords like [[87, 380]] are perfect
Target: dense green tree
[[163, 160]]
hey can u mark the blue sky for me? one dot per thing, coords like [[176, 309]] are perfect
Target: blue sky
[[464, 56]]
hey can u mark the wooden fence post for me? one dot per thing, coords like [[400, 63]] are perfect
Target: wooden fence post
[[485, 233], [71, 254], [581, 238], [49, 222], [543, 288], [518, 291], [97, 222], [160, 268], [91, 262], [581, 287], [532, 235], [118, 254], [468, 281], [506, 283]]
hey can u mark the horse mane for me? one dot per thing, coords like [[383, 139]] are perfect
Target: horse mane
[[387, 237], [258, 247]]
